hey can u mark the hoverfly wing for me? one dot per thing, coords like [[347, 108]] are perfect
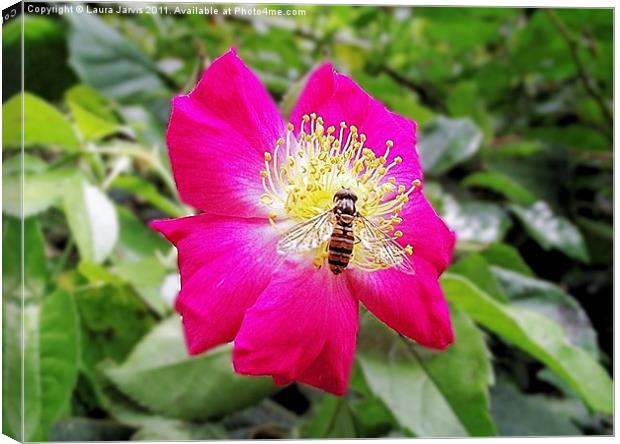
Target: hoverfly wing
[[380, 247], [307, 235]]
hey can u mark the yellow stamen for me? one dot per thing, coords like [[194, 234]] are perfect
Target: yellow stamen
[[302, 174]]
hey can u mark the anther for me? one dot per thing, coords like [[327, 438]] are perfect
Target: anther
[[267, 156]]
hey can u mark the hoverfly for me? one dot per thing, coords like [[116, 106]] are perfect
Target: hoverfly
[[344, 227]]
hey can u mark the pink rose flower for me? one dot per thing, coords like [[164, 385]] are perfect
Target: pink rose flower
[[254, 177]]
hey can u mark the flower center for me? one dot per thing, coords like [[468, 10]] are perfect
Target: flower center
[[303, 174]]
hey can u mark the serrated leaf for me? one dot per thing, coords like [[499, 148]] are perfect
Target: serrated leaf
[[537, 335], [197, 387], [430, 393], [91, 217], [551, 230], [43, 125], [445, 143]]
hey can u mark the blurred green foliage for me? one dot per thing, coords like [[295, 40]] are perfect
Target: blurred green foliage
[[514, 108]]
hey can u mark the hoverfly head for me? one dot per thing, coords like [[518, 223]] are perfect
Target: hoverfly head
[[345, 193]]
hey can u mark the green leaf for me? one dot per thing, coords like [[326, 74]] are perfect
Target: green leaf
[[447, 142], [146, 276], [508, 257], [465, 101], [12, 377], [267, 419], [43, 125], [136, 240], [92, 219], [41, 189], [58, 361], [148, 192], [152, 427], [104, 59], [113, 320], [551, 230], [517, 414], [92, 112], [31, 366], [80, 429], [475, 268], [35, 270], [553, 302], [331, 419], [45, 51], [197, 388], [430, 393], [500, 184], [476, 223], [537, 335], [49, 362], [20, 325]]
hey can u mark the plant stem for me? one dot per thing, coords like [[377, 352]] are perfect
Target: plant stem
[[150, 158]]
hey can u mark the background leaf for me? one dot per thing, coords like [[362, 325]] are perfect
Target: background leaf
[[396, 370], [189, 387], [91, 217], [43, 125], [537, 335], [552, 231], [445, 143], [107, 61], [59, 354]]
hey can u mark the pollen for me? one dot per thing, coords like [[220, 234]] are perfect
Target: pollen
[[303, 172]]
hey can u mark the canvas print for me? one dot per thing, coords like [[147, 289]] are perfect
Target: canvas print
[[232, 221]]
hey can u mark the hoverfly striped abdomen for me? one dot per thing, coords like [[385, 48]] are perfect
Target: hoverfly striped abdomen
[[342, 240]]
